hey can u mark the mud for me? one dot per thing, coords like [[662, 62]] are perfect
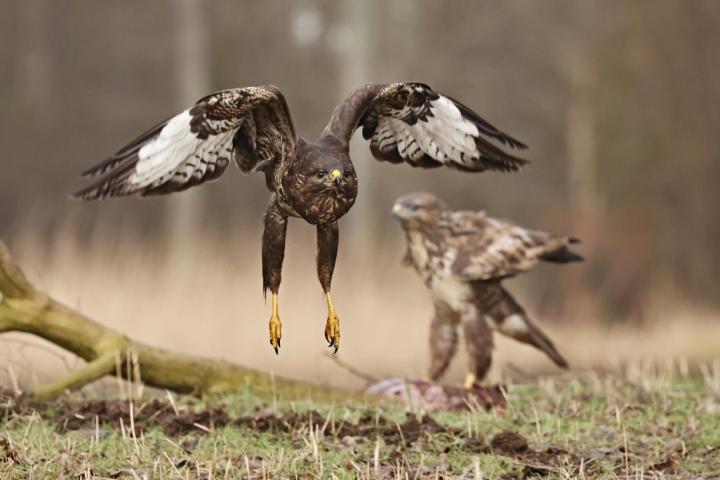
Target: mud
[[368, 426], [536, 463], [155, 413], [510, 443]]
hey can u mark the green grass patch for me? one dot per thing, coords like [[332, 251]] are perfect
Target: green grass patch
[[590, 426]]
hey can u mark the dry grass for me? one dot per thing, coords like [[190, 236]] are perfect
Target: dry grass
[[207, 300]]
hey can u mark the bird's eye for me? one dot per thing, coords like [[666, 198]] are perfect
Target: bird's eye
[[413, 208], [320, 173], [347, 172]]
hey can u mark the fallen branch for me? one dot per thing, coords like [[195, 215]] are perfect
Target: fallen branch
[[350, 369], [23, 308]]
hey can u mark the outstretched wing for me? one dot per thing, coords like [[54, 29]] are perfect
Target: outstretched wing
[[409, 122], [480, 247], [252, 125]]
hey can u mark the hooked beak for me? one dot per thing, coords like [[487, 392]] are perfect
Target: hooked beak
[[397, 210], [336, 176]]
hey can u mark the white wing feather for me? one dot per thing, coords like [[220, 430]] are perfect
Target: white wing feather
[[196, 145], [410, 122]]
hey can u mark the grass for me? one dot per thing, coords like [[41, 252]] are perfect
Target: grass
[[641, 423]]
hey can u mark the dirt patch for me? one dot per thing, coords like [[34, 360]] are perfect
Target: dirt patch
[[536, 463], [509, 443], [87, 416], [413, 430], [368, 426], [155, 413], [666, 466], [7, 453]]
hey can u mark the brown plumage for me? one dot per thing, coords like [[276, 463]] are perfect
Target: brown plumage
[[405, 122], [462, 257]]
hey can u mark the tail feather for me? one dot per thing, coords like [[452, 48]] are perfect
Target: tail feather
[[504, 314], [519, 327], [562, 255], [539, 340]]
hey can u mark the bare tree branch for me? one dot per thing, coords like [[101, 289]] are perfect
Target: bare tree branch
[[24, 309]]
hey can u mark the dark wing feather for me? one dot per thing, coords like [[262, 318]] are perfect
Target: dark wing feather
[[252, 125], [486, 248], [411, 123], [125, 153]]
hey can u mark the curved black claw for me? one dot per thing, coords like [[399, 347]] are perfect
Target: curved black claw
[[275, 333], [332, 332], [331, 343]]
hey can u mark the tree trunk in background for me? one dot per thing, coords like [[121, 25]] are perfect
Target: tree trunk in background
[[185, 209], [35, 75], [354, 46], [583, 197], [582, 183]]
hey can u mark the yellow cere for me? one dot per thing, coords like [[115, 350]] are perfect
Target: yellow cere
[[335, 174]]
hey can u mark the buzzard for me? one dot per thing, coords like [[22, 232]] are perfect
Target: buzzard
[[313, 180], [463, 257]]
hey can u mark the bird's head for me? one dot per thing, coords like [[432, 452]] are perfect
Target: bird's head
[[418, 208], [327, 170]]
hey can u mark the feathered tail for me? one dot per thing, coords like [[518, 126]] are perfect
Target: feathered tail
[[563, 255], [505, 315]]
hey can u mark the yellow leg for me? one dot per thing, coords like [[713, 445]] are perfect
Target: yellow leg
[[470, 380], [332, 327], [275, 325]]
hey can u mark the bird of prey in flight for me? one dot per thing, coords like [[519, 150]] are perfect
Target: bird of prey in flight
[[463, 257], [313, 180]]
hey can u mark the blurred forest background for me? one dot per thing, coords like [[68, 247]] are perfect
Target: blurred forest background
[[619, 102]]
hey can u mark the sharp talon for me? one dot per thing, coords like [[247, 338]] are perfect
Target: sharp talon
[[332, 327], [275, 326]]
